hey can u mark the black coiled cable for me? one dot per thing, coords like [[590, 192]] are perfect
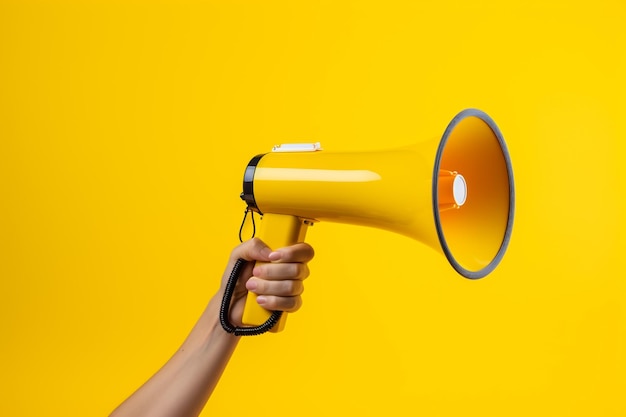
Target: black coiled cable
[[225, 307]]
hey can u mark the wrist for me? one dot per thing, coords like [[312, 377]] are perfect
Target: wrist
[[215, 333]]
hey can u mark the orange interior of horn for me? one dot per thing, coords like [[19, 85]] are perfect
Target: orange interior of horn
[[474, 232]]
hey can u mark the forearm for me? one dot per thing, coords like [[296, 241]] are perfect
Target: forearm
[[183, 385]]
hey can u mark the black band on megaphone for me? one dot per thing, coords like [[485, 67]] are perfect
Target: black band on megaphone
[[248, 183]]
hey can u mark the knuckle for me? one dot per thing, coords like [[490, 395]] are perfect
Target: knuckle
[[310, 252], [289, 287], [296, 288], [291, 270], [294, 303], [304, 271]]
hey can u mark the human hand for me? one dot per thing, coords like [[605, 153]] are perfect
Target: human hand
[[278, 281]]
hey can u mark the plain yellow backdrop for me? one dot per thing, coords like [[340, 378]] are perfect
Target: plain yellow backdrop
[[125, 127]]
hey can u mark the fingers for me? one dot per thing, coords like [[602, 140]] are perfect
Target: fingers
[[281, 271], [279, 285], [288, 263], [281, 295], [273, 303], [255, 250], [300, 252], [277, 279], [283, 288]]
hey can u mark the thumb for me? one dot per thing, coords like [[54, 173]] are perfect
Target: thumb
[[252, 250]]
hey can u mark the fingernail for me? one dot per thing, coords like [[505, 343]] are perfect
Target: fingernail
[[266, 252], [261, 300], [275, 256], [251, 285]]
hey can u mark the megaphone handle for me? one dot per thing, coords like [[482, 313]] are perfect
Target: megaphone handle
[[276, 231]]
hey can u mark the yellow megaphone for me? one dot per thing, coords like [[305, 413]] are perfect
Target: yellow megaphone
[[454, 194]]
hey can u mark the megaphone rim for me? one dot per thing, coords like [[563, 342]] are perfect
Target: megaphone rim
[[472, 112]]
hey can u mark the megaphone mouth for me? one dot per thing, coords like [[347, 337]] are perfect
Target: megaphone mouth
[[474, 237]]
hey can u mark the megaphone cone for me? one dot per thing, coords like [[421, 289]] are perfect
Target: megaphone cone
[[475, 237], [454, 194]]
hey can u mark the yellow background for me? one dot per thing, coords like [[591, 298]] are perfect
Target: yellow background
[[125, 127]]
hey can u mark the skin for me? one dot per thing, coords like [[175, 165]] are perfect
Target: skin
[[184, 384]]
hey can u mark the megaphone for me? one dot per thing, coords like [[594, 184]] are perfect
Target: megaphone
[[454, 194]]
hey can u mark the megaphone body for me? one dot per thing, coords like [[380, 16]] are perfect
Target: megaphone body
[[454, 194]]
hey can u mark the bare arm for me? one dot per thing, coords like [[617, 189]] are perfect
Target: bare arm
[[184, 384]]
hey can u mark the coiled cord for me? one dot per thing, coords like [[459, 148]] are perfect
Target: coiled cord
[[225, 307]]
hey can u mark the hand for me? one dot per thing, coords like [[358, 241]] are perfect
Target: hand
[[278, 283]]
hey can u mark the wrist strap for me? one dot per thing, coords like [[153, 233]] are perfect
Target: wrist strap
[[225, 307]]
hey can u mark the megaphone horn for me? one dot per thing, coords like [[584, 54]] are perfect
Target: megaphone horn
[[454, 194]]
